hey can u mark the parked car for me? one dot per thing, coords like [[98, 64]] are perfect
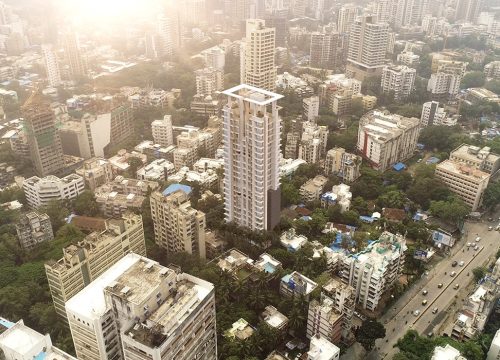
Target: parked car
[[476, 248], [424, 292], [435, 310], [454, 263], [469, 244], [452, 274], [461, 263], [416, 312], [478, 239], [490, 228], [424, 302], [456, 286], [440, 286]]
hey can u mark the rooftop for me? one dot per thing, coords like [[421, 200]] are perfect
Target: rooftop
[[297, 279], [322, 349], [241, 329], [460, 169], [274, 318], [252, 94]]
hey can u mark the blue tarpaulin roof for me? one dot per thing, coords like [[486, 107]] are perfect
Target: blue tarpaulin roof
[[367, 219], [399, 166], [174, 187], [433, 160]]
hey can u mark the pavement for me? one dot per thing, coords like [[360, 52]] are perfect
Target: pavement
[[401, 317]]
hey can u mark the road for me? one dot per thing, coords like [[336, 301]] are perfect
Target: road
[[398, 321]]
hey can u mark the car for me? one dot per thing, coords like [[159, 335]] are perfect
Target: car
[[419, 160], [424, 292], [435, 310], [452, 274], [430, 334], [473, 244], [456, 286], [478, 239], [424, 302], [416, 312], [454, 263], [490, 219], [440, 286], [476, 248], [461, 263], [469, 244], [490, 228]]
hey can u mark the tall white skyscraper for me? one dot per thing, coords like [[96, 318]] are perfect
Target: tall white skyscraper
[[409, 12], [51, 65], [346, 16], [165, 47], [252, 136], [367, 47], [162, 131], [257, 67]]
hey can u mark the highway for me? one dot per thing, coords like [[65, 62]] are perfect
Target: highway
[[401, 318]]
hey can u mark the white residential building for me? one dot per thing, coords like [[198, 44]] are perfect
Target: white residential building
[[343, 164], [289, 166], [346, 16], [492, 70], [340, 195], [323, 50], [373, 270], [32, 229], [446, 81], [41, 191], [214, 57], [398, 80], [162, 131], [322, 349], [143, 310], [51, 65], [209, 81], [251, 163], [312, 189], [447, 352], [19, 342], [432, 114], [494, 352], [96, 172], [291, 241], [297, 285], [386, 139], [156, 170], [257, 59], [465, 181], [408, 58], [311, 108], [312, 146]]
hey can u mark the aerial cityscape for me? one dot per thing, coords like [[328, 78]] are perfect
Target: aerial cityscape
[[249, 180]]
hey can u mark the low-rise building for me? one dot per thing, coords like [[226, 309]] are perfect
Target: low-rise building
[[343, 164], [447, 352], [272, 317], [465, 181], [32, 229], [492, 71], [291, 241], [41, 191], [313, 188], [156, 170], [322, 349], [20, 342], [289, 166], [375, 269], [96, 172], [184, 157], [296, 284], [479, 158], [240, 330], [480, 95], [340, 195], [7, 174], [120, 162]]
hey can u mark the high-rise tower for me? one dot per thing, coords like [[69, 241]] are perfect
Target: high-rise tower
[[252, 136]]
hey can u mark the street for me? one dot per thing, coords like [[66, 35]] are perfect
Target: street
[[398, 321]]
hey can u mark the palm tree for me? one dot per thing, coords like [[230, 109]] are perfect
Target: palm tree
[[296, 319]]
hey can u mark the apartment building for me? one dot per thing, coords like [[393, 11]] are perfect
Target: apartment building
[[209, 81], [446, 81], [51, 65], [274, 319], [343, 300], [83, 262], [374, 270], [251, 167], [185, 157], [322, 349], [340, 195], [398, 80], [122, 185], [162, 131], [385, 139], [291, 241], [408, 58], [467, 182], [41, 191], [312, 189], [367, 47], [18, 341], [140, 310], [343, 164], [33, 228], [178, 227], [257, 62], [492, 70], [156, 170], [297, 285], [479, 158], [96, 172], [310, 108], [432, 114], [44, 142], [312, 146], [324, 320], [324, 50], [346, 16]]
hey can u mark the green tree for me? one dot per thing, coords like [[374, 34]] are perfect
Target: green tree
[[493, 85], [370, 331], [473, 79], [85, 204], [491, 196], [453, 210], [391, 199], [57, 210], [479, 273]]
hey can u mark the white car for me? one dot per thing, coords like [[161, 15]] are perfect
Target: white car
[[461, 263], [469, 244], [478, 239], [476, 248], [416, 312]]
